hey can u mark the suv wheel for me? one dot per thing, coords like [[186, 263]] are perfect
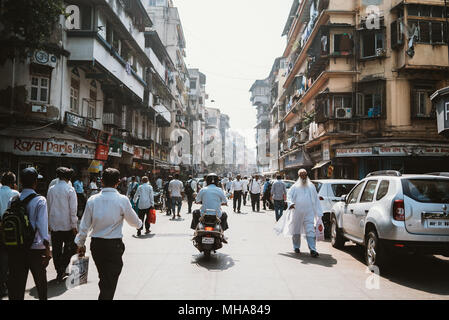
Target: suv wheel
[[375, 254], [337, 239]]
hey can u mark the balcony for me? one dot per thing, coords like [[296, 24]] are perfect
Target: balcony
[[91, 50], [112, 119]]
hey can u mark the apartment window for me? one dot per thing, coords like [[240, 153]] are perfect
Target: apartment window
[[144, 129], [343, 44], [421, 103], [370, 101], [425, 11], [109, 32], [430, 32], [342, 102], [372, 44], [92, 105], [193, 84], [74, 95], [397, 34], [86, 17], [40, 89]]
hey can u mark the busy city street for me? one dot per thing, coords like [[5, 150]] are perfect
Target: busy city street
[[256, 264]]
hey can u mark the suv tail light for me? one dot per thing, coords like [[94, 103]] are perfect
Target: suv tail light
[[399, 210]]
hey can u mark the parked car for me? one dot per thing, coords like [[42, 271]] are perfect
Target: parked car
[[330, 191], [388, 212]]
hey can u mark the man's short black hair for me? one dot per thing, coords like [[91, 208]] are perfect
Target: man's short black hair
[[133, 178], [111, 177], [8, 179], [279, 177], [177, 176]]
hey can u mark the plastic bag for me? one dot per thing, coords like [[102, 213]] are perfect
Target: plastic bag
[[152, 216], [319, 230], [79, 268]]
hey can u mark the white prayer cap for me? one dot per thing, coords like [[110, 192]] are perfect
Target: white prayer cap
[[302, 171]]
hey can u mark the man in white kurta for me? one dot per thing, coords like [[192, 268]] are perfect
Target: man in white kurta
[[303, 199]]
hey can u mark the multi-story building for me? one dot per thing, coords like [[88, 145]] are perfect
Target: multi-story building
[[89, 97], [357, 93], [261, 99]]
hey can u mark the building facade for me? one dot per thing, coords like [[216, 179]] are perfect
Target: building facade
[[356, 97]]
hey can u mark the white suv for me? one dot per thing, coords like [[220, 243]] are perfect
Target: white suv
[[388, 211], [330, 191]]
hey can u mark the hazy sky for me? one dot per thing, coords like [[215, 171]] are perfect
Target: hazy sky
[[233, 42]]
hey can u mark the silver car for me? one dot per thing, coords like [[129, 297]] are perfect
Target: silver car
[[389, 212]]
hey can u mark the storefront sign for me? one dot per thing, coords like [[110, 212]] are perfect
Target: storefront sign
[[52, 148], [441, 101], [102, 152], [138, 153], [326, 152], [146, 154], [95, 166], [128, 148], [354, 152], [76, 121]]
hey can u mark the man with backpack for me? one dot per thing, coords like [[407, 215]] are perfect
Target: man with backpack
[[190, 190], [7, 192], [266, 195], [33, 253], [63, 221]]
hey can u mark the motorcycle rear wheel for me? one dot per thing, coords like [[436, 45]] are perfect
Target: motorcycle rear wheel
[[207, 253]]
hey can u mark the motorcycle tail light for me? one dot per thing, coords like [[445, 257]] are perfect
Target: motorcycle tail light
[[321, 198], [209, 229], [399, 210]]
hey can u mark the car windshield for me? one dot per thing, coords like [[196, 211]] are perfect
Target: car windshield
[[427, 190], [341, 189]]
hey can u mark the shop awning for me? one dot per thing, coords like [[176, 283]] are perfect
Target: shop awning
[[321, 164]]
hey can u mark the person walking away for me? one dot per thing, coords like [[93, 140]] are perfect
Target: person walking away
[[237, 190], [278, 193], [159, 183], [224, 183], [245, 183], [266, 195], [79, 188], [104, 216], [190, 191], [55, 181], [63, 222], [255, 189], [37, 257], [131, 192], [145, 196], [176, 188], [93, 188], [7, 192], [303, 199], [167, 196]]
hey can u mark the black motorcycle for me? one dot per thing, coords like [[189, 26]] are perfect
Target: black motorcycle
[[208, 234], [158, 199]]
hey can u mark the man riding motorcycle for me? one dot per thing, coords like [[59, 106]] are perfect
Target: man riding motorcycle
[[211, 198]]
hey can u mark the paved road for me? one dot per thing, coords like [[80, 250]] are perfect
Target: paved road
[[256, 264]]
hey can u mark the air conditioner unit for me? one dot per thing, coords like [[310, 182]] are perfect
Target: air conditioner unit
[[343, 113], [44, 58]]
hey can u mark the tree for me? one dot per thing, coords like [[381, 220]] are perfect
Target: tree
[[26, 25]]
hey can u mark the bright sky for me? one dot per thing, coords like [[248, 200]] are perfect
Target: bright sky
[[234, 43]]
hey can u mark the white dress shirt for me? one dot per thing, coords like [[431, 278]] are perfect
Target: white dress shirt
[[245, 183], [62, 206], [145, 196], [55, 181], [38, 213], [175, 187], [236, 185], [255, 187], [104, 215], [159, 183], [6, 194]]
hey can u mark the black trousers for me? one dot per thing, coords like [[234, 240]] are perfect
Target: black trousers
[[81, 204], [144, 215], [255, 201], [190, 200], [107, 255], [237, 200], [266, 201], [197, 215], [245, 195], [20, 262], [63, 248]]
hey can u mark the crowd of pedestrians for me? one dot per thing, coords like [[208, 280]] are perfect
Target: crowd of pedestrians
[[62, 220]]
